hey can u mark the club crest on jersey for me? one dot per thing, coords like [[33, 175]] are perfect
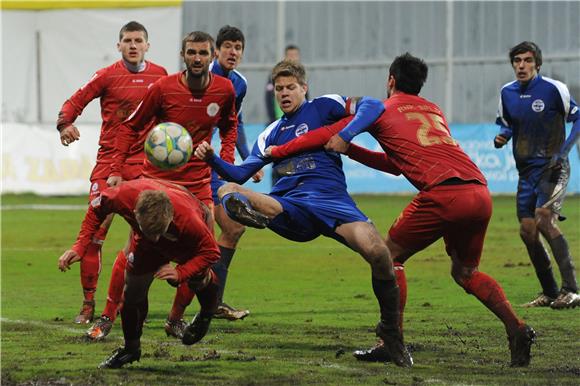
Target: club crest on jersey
[[301, 129], [96, 202], [212, 109], [131, 257], [95, 187], [538, 105]]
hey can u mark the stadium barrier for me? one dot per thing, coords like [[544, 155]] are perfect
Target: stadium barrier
[[35, 161]]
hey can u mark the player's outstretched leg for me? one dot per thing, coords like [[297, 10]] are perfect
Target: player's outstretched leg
[[238, 208]]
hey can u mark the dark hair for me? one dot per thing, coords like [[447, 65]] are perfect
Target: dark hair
[[291, 47], [410, 73], [133, 26], [289, 68], [198, 37], [233, 34], [527, 47]]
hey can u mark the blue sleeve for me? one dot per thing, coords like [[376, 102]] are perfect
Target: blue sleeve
[[367, 111], [571, 140], [237, 173], [505, 132]]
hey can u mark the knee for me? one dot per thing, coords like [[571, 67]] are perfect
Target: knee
[[233, 233], [462, 274], [528, 233], [377, 254], [227, 188], [545, 221]]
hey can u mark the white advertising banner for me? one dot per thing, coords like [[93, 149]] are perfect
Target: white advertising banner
[[33, 160]]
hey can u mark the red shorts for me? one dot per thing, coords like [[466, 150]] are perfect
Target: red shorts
[[101, 173], [458, 213]]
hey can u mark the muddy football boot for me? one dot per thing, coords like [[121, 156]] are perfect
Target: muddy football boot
[[228, 312], [196, 330], [566, 299], [87, 312], [175, 328], [121, 357], [520, 346], [378, 353], [393, 343], [243, 213], [541, 301], [100, 328]]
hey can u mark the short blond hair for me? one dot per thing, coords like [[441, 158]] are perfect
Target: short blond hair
[[153, 211], [289, 68]]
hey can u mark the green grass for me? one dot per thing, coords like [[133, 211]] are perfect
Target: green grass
[[311, 304]]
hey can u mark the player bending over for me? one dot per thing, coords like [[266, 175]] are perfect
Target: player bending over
[[310, 197], [453, 202], [168, 224]]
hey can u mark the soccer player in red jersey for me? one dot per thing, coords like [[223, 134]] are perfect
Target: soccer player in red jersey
[[199, 101], [120, 87], [453, 202], [168, 224]]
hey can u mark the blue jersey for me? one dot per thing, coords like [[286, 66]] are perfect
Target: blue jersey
[[240, 87], [314, 170], [535, 116]]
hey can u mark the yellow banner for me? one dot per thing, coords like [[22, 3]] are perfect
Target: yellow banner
[[49, 4]]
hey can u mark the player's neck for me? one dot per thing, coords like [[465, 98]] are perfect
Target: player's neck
[[195, 83], [134, 67]]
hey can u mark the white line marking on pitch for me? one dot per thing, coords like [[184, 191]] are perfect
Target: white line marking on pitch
[[43, 207]]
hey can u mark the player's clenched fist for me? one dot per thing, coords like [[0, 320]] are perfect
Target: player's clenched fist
[[204, 151], [67, 258], [69, 134], [499, 141]]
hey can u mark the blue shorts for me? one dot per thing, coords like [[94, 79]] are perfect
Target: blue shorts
[[216, 183], [538, 187], [308, 214]]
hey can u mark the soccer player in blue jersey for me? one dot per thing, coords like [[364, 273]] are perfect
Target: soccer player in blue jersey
[[533, 111], [310, 198]]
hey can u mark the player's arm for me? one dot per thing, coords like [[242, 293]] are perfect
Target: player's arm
[[206, 251], [572, 115], [228, 171], [228, 129], [312, 140], [128, 131], [74, 106], [98, 210], [505, 130], [373, 159]]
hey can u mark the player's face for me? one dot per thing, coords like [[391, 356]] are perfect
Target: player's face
[[133, 46], [524, 67], [289, 93], [197, 57], [229, 55]]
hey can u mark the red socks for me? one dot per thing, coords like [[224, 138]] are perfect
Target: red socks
[[183, 298], [402, 283], [116, 285], [91, 264]]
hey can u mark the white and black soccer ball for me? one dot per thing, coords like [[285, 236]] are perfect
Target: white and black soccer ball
[[168, 146]]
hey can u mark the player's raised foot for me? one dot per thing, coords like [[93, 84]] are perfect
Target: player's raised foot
[[100, 328], [566, 299], [121, 357], [541, 301], [196, 330], [225, 311], [378, 353], [87, 312], [175, 328], [243, 213], [520, 346], [393, 344]]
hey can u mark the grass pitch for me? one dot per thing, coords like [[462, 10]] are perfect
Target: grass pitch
[[311, 306]]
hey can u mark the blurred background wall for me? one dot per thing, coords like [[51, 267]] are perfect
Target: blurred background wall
[[51, 48]]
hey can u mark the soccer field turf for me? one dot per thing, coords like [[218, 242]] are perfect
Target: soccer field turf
[[311, 306]]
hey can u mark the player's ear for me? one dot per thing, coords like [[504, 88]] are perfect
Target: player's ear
[[305, 88], [119, 46], [148, 45]]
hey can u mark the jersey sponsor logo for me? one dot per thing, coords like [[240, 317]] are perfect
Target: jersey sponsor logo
[[96, 202], [212, 109], [538, 105], [138, 81], [284, 128], [524, 96], [573, 111], [302, 129]]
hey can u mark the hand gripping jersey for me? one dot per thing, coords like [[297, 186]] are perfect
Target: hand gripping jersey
[[170, 100], [316, 169], [193, 246], [535, 116], [417, 142], [240, 87], [120, 91]]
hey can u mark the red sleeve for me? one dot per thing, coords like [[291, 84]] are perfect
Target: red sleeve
[[130, 129], [314, 139], [206, 250], [99, 208], [74, 106], [228, 127], [373, 159]]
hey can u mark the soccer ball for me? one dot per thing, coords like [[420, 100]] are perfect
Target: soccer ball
[[168, 146]]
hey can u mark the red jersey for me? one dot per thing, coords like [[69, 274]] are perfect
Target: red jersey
[[170, 100], [417, 142], [194, 247], [120, 91]]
